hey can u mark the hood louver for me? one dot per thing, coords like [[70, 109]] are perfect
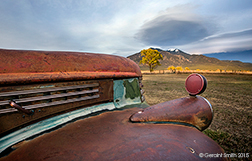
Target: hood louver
[[39, 98]]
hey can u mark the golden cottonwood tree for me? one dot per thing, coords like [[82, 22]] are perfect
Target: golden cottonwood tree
[[172, 68], [186, 68], [179, 68], [151, 58]]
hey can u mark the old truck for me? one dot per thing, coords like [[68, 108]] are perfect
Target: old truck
[[84, 106]]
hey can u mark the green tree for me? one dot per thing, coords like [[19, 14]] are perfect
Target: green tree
[[151, 58]]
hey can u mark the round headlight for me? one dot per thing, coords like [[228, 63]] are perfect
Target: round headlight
[[195, 84]]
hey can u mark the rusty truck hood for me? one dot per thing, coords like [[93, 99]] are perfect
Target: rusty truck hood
[[23, 66], [111, 136]]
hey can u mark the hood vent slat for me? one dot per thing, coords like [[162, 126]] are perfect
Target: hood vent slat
[[38, 98]]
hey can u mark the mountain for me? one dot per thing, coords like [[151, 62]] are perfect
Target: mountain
[[176, 57], [244, 56]]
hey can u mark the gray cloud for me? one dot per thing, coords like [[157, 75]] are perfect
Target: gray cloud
[[164, 31]]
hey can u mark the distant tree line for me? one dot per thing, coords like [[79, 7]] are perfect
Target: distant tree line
[[175, 69]]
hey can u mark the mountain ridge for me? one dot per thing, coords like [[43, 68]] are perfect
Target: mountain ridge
[[176, 57]]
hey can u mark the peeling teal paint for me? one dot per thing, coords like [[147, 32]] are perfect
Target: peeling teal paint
[[118, 90], [126, 92], [50, 123]]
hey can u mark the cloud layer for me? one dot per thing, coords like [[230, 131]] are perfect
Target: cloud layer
[[233, 41], [171, 32], [126, 27]]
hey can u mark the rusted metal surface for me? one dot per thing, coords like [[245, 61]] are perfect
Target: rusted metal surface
[[26, 78], [16, 106], [195, 111], [19, 66], [46, 102], [111, 136]]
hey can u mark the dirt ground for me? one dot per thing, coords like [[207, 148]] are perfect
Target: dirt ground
[[231, 99]]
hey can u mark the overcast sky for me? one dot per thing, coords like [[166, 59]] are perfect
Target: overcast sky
[[124, 27]]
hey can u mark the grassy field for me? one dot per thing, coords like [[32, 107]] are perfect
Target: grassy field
[[230, 96]]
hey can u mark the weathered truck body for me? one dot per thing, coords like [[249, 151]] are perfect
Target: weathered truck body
[[83, 106]]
